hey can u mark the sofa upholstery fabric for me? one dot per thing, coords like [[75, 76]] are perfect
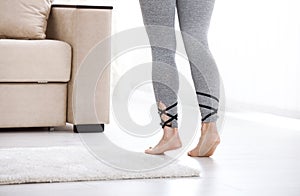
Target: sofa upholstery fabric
[[73, 30], [34, 61], [33, 105], [24, 19]]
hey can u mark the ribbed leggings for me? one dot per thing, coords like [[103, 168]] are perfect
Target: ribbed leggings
[[194, 18]]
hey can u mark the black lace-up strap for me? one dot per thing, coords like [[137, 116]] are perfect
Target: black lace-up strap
[[164, 112], [214, 110], [208, 95]]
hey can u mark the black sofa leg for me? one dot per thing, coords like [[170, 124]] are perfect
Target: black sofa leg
[[90, 128], [51, 129]]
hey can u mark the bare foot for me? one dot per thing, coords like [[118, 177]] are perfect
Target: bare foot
[[169, 141], [208, 141]]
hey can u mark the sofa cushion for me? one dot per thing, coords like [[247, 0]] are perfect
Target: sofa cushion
[[34, 61], [24, 19]]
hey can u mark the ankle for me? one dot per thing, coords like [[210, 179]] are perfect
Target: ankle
[[170, 132], [208, 126]]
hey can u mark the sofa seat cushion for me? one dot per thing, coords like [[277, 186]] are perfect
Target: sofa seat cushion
[[34, 61]]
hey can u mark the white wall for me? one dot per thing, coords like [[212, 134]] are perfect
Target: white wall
[[257, 46]]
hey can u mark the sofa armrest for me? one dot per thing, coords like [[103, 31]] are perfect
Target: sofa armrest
[[83, 27]]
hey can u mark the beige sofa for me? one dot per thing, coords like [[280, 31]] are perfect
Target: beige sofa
[[38, 86]]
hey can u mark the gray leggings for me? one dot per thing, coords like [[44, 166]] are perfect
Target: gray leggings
[[194, 18]]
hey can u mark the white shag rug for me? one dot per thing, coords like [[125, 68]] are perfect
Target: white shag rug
[[71, 163]]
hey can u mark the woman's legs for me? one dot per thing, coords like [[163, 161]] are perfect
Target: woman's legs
[[158, 17], [194, 18]]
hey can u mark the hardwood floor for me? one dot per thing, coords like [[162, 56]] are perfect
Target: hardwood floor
[[258, 155]]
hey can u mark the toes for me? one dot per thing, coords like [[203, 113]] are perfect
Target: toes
[[193, 153], [153, 152], [149, 150]]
